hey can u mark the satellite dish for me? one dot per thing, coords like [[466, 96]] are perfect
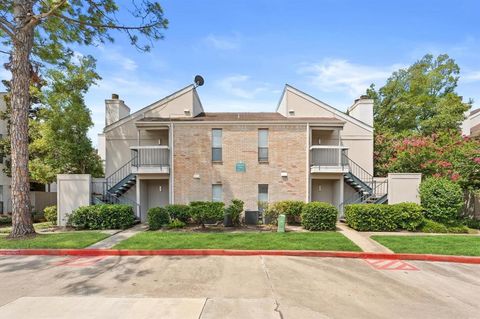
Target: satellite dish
[[199, 81]]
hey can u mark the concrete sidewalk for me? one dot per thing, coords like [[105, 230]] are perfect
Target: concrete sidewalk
[[111, 241], [363, 240]]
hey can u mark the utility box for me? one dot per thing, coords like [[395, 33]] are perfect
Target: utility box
[[281, 224]]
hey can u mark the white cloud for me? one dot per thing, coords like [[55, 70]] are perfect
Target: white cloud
[[338, 75], [223, 42], [471, 76], [241, 86], [112, 54]]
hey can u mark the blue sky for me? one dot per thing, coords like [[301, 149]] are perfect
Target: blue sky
[[248, 50]]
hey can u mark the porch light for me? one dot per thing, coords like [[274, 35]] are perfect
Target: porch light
[[284, 174], [196, 176]]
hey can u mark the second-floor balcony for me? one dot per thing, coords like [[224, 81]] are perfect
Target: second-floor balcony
[[150, 159], [328, 159]]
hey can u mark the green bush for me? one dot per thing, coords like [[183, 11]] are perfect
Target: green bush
[[176, 223], [107, 216], [458, 229], [472, 223], [431, 226], [442, 199], [292, 209], [50, 214], [179, 211], [371, 217], [235, 210], [319, 216], [157, 217], [408, 216], [206, 212], [5, 220], [38, 217]]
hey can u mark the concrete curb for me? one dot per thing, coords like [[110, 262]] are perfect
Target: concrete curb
[[226, 252]]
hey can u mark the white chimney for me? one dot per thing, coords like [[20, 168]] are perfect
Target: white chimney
[[362, 109], [115, 110]]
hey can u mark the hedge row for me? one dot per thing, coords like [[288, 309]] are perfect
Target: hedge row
[[106, 216], [319, 216], [375, 217]]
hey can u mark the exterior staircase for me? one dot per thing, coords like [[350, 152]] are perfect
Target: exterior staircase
[[368, 190], [117, 184]]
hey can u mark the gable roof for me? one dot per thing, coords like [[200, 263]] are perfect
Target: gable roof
[[150, 107], [324, 105]]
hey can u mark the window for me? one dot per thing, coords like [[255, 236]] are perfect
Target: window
[[262, 196], [217, 193], [263, 145], [216, 145]]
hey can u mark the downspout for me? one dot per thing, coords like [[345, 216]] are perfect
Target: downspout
[[308, 195], [172, 168]]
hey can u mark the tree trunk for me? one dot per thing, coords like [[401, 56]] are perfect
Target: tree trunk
[[22, 224]]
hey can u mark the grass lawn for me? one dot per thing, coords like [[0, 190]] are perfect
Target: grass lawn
[[61, 240], [442, 245], [247, 241], [37, 226]]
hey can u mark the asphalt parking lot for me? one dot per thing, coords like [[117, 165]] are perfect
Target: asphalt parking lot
[[234, 287]]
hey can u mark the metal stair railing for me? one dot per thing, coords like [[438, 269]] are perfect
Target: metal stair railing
[[120, 174], [358, 172], [379, 190]]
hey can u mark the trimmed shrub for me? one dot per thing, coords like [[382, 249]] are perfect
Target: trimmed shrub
[[442, 199], [176, 223], [107, 216], [5, 220], [371, 217], [206, 212], [50, 214], [319, 216], [179, 211], [235, 210], [459, 229], [157, 217], [408, 216], [430, 226], [37, 217], [292, 209], [472, 223]]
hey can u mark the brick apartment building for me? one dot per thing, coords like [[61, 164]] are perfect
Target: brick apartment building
[[172, 151]]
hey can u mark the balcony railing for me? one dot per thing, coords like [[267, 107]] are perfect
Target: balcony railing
[[327, 157], [156, 157]]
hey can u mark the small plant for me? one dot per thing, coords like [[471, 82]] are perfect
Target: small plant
[[179, 211], [292, 209], [206, 212], [234, 211], [50, 214], [157, 217], [431, 226], [442, 199], [319, 216], [5, 220], [176, 223]]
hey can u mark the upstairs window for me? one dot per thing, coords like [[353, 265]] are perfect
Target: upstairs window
[[263, 145], [216, 145]]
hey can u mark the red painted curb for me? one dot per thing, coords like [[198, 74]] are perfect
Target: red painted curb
[[226, 252]]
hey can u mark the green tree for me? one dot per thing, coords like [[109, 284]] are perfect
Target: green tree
[[37, 34], [420, 99], [417, 101], [61, 144]]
